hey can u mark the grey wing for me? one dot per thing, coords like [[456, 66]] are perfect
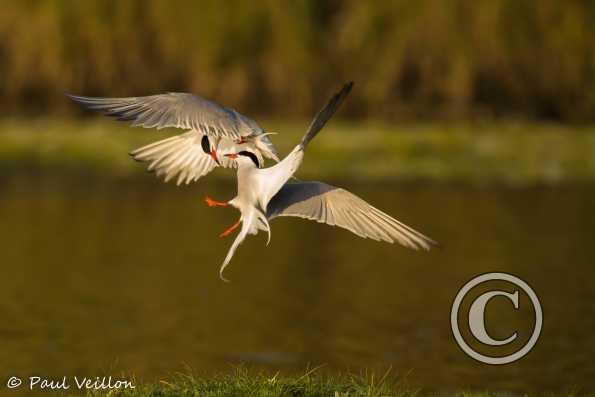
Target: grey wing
[[175, 109], [179, 156], [337, 207]]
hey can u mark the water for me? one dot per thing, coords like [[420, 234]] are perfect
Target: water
[[106, 276]]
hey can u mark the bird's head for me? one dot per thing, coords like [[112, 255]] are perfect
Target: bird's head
[[244, 157], [209, 149]]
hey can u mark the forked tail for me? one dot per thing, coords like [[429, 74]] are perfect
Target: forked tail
[[241, 236], [253, 221]]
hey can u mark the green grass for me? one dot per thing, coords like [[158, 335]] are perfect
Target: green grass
[[312, 384], [478, 153], [243, 383]]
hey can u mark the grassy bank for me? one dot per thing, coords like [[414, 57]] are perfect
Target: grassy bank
[[481, 153], [244, 384]]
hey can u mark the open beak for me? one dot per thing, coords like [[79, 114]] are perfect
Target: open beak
[[214, 156], [232, 156]]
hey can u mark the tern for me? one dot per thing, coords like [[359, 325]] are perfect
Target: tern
[[264, 194], [213, 129]]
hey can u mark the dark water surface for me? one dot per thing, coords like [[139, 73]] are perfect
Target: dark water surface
[[104, 276]]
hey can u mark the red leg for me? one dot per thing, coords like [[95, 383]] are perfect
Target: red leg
[[231, 229], [213, 203]]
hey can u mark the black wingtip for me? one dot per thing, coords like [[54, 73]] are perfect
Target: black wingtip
[[346, 88], [326, 113]]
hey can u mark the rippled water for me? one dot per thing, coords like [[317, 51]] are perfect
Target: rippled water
[[120, 276]]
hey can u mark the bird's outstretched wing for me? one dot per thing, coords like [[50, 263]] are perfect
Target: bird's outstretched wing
[[273, 178], [175, 109], [181, 156], [337, 207], [326, 113]]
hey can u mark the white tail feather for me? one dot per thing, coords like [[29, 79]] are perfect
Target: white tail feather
[[247, 220]]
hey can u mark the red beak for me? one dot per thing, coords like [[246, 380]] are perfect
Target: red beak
[[232, 156], [214, 156]]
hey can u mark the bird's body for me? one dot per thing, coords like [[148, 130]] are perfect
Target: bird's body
[[263, 194], [256, 187]]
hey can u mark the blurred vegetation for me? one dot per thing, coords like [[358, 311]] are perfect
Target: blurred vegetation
[[477, 153], [410, 59]]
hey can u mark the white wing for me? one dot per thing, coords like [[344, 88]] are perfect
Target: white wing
[[175, 109], [338, 207], [181, 156], [273, 178]]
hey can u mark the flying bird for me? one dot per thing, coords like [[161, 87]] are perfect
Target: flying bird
[[264, 194], [213, 129]]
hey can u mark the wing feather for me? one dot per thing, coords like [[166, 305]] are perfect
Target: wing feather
[[186, 111], [180, 157], [175, 109], [335, 206]]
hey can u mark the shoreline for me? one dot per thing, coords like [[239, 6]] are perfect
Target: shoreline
[[510, 154]]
